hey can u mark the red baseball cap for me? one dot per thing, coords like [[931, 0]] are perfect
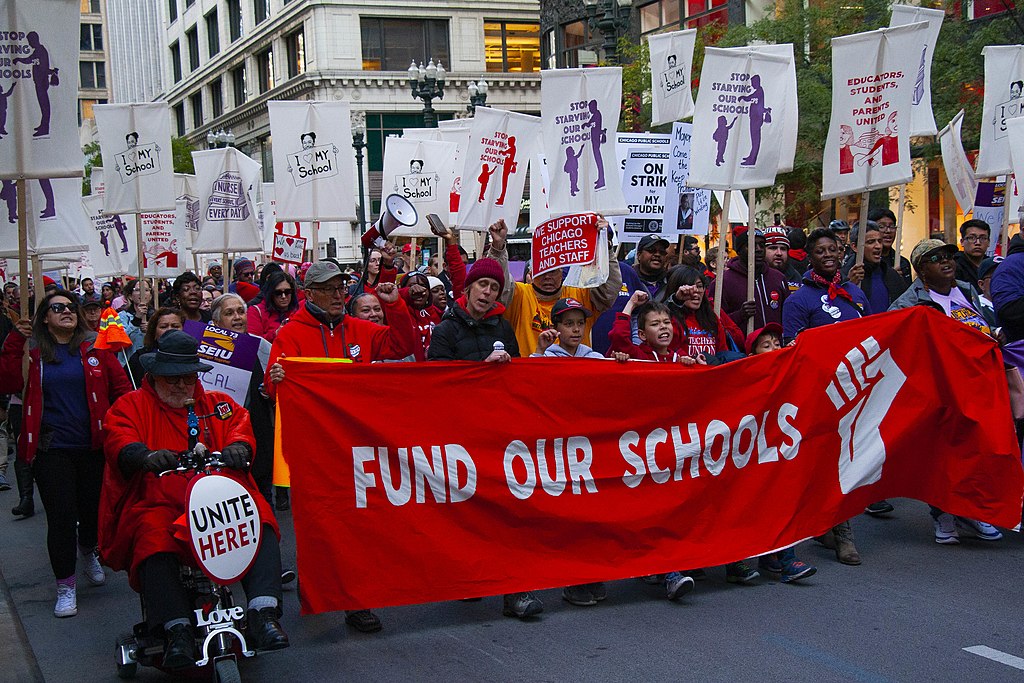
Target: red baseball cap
[[770, 328]]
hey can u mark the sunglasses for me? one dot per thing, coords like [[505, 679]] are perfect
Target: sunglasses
[[282, 292], [63, 308], [938, 258], [181, 380]]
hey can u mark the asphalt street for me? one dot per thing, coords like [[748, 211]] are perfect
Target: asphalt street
[[906, 614]]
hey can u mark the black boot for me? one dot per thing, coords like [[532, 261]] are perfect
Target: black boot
[[282, 498], [264, 632], [26, 506], [180, 651]]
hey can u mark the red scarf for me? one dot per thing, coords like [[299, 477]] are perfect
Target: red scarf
[[834, 289]]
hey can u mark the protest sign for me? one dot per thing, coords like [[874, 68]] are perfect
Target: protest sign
[[868, 144], [671, 63], [843, 419], [289, 249], [958, 168], [224, 526], [228, 222], [232, 354], [135, 142], [1004, 100], [186, 190], [113, 245], [456, 131], [922, 120], [989, 205], [564, 241], [163, 242], [501, 143], [580, 113], [39, 89], [422, 171], [741, 112], [313, 166], [539, 211], [687, 209], [644, 180], [58, 225]]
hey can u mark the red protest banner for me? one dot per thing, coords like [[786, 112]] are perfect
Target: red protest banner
[[565, 241], [537, 484]]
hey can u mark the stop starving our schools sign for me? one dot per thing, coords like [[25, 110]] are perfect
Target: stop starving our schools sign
[[587, 487]]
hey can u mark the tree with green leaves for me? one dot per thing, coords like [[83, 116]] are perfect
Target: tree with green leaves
[[181, 153]]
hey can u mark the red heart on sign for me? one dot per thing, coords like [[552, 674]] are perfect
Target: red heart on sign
[[290, 241], [278, 250]]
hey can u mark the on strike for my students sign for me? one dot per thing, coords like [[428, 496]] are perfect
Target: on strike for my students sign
[[39, 42], [868, 145], [568, 240]]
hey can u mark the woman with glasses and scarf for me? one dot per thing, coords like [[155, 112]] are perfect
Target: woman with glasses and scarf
[[275, 304], [70, 385]]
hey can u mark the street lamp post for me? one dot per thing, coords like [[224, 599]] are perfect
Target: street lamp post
[[220, 139], [359, 143], [427, 84], [477, 95], [613, 19]]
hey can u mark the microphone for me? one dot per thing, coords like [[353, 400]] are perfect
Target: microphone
[[499, 346]]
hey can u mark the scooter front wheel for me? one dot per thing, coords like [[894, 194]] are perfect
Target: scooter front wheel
[[226, 671]]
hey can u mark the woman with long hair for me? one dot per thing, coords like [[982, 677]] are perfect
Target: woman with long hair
[[164, 320], [69, 387], [135, 316], [701, 332], [273, 306]]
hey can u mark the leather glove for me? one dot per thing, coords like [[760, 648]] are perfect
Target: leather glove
[[160, 461], [236, 456]]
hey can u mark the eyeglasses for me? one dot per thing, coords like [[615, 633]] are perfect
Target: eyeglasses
[[886, 228], [182, 380], [336, 289], [247, 275], [63, 308], [938, 258], [977, 239], [283, 292]]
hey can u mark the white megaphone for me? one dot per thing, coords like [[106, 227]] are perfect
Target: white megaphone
[[398, 212]]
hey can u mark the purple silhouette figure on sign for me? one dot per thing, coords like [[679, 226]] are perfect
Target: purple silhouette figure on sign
[[485, 176], [598, 136], [508, 167], [721, 136], [103, 241], [4, 97], [9, 194], [572, 167], [48, 210], [43, 76], [759, 115], [121, 228]]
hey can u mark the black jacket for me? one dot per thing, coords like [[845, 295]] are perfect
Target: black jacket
[[894, 283], [460, 337]]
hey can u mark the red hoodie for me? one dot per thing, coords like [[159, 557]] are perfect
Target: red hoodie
[[621, 338], [359, 340]]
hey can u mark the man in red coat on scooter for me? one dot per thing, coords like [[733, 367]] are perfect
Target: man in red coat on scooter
[[145, 431]]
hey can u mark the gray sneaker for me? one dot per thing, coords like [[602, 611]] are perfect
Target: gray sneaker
[[579, 596], [521, 605], [677, 585]]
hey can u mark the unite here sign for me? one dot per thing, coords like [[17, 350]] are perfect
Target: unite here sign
[[568, 240]]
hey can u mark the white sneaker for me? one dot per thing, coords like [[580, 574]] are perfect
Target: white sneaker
[[67, 602], [90, 564], [985, 532], [945, 530]]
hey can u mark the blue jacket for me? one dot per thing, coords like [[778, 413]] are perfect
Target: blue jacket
[[1008, 290], [603, 325], [810, 306]]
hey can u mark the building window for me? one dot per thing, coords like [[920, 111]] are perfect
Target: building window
[[92, 75], [176, 61], [197, 109], [91, 36], [90, 7], [680, 14], [238, 85], [217, 98], [179, 118], [577, 46], [512, 46], [212, 33], [235, 19], [265, 70], [392, 44], [192, 38], [260, 10], [172, 10], [295, 44]]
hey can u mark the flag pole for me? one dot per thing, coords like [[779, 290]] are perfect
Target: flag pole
[[1004, 237], [897, 246], [862, 232], [141, 256], [751, 248], [315, 251], [723, 228], [23, 247]]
